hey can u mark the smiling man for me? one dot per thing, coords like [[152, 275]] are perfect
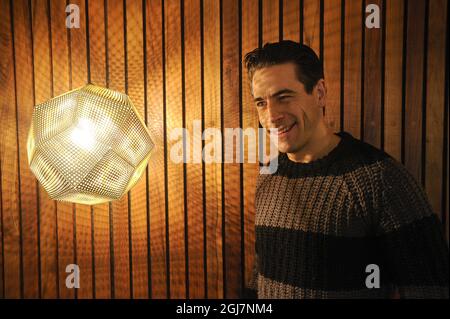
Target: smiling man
[[339, 218]]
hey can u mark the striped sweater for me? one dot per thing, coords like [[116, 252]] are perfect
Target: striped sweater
[[320, 224]]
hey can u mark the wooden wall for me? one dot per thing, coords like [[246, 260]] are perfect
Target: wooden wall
[[186, 230]]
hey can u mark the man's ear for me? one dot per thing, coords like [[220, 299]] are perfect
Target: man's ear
[[321, 93]]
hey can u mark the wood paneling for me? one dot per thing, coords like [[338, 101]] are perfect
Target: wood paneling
[[174, 119], [194, 170], [101, 224], [43, 90], [187, 229], [332, 56], [120, 215], [393, 78], [138, 195], [414, 86], [12, 265], [352, 67], [61, 83], [435, 103], [24, 98], [212, 117], [157, 171], [373, 84], [291, 20], [83, 217], [231, 117], [311, 24], [251, 34]]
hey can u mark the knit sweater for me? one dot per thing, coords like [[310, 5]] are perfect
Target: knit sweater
[[320, 224]]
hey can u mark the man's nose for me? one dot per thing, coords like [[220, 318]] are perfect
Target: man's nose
[[273, 112]]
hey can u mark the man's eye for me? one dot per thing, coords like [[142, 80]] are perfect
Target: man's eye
[[260, 103], [284, 97]]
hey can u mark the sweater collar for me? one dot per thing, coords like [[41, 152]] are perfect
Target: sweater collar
[[323, 162]]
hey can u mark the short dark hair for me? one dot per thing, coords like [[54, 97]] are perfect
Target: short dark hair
[[309, 66]]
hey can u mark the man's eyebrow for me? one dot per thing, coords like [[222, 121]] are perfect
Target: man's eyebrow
[[284, 91]]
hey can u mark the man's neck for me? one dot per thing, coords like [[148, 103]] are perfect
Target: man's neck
[[321, 144]]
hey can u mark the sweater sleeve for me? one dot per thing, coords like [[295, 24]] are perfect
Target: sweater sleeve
[[411, 237], [251, 289]]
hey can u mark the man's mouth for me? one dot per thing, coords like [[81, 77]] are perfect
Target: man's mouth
[[283, 130]]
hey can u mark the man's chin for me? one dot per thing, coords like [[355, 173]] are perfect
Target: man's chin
[[288, 148], [285, 149]]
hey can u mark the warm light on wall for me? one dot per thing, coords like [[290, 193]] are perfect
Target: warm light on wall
[[88, 146]]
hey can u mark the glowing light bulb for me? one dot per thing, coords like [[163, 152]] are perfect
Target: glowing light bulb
[[88, 146], [83, 134]]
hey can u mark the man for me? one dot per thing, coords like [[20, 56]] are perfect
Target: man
[[339, 218]]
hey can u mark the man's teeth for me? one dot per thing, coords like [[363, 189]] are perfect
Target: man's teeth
[[284, 129]]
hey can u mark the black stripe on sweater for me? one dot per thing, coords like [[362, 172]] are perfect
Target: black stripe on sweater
[[318, 261]]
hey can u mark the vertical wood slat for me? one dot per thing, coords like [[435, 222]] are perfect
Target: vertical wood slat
[[138, 195], [194, 180], [174, 111], [43, 90], [372, 101], [352, 67], [138, 268], [270, 26], [332, 62], [101, 241], [9, 159], [156, 170], [120, 214], [393, 78], [414, 87], [311, 24], [2, 259], [270, 21], [291, 20], [250, 40], [231, 172], [28, 199], [213, 174], [61, 84], [83, 223], [435, 108]]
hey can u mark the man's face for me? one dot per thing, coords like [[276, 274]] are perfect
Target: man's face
[[282, 103]]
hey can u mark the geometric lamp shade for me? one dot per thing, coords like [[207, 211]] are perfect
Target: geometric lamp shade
[[88, 146]]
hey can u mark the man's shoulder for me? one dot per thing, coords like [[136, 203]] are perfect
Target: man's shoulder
[[365, 162], [361, 151], [370, 169]]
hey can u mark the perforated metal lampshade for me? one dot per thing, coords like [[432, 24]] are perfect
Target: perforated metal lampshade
[[88, 146]]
